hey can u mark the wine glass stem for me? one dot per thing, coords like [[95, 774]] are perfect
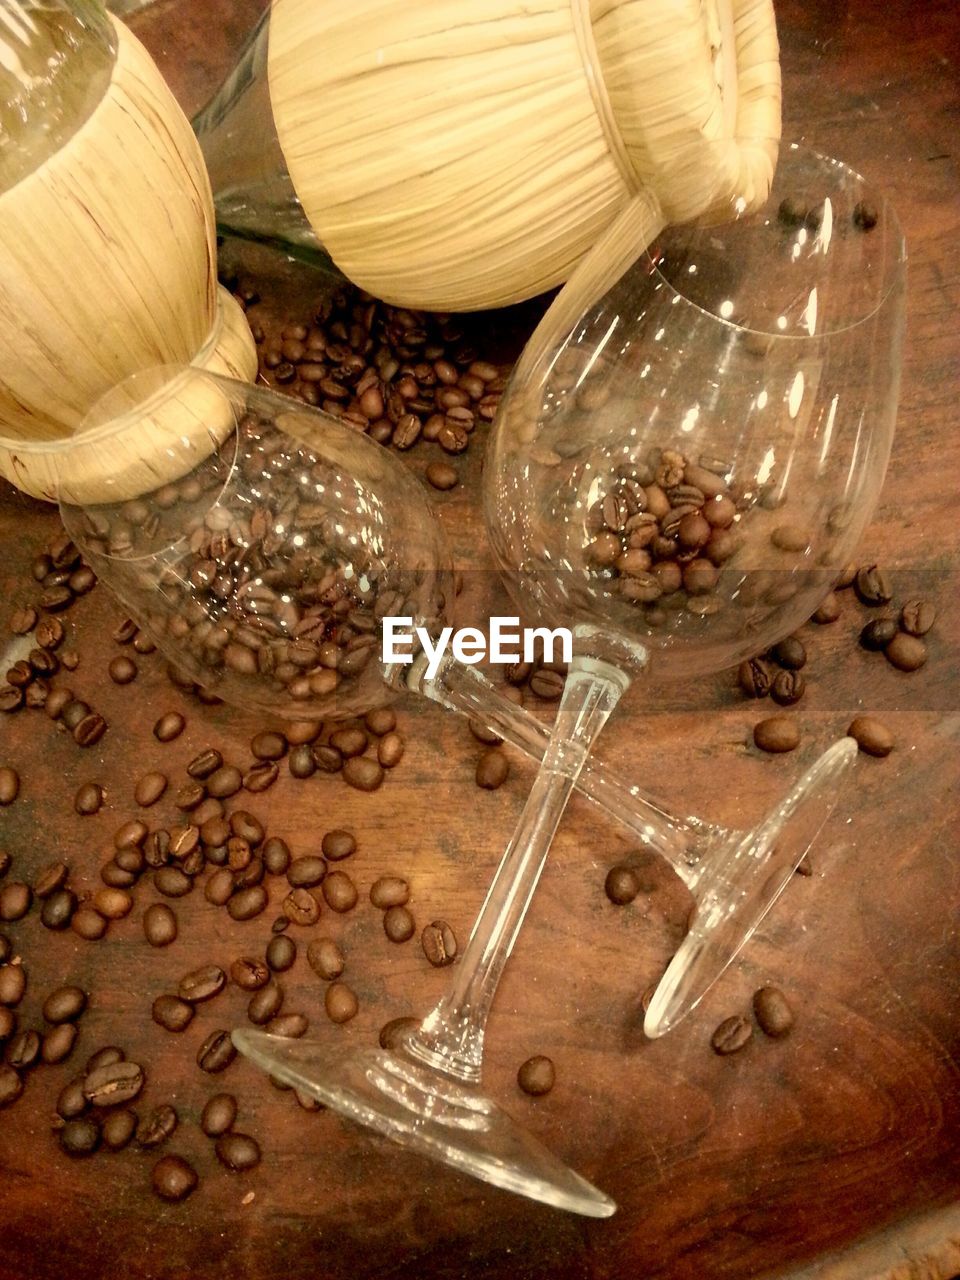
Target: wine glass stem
[[681, 842], [451, 1037]]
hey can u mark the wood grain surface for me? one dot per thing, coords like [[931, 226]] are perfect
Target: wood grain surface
[[831, 1154]]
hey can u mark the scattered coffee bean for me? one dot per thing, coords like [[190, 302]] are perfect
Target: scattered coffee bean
[[339, 891], [276, 856], [149, 788], [58, 1044], [301, 762], [547, 684], [58, 910], [65, 1004], [878, 633], [871, 735], [536, 1076], [205, 764], [622, 884], [23, 621], [906, 652], [173, 1178], [89, 799], [393, 1034], [362, 773], [305, 872], [301, 907], [731, 1035], [202, 984], [104, 1057], [493, 769], [340, 1002], [829, 611], [390, 750], [113, 1084], [13, 983], [872, 586], [772, 1011], [9, 785], [265, 1004], [776, 734], [381, 721], [398, 924], [237, 1152], [754, 677], [80, 1137], [260, 777], [172, 1013], [291, 1026], [50, 878], [439, 943], [917, 617], [118, 1128], [88, 924], [155, 1128], [788, 688], [790, 653], [218, 1114], [281, 953], [249, 974], [169, 726], [216, 1053], [159, 925], [791, 537], [325, 959], [90, 730], [15, 900], [23, 1050], [389, 891], [247, 903], [122, 670], [113, 904], [338, 844]]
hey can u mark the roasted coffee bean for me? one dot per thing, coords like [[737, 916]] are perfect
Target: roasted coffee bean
[[246, 827], [43, 663], [340, 1002], [265, 1004], [790, 653], [215, 831], [113, 904], [493, 769], [130, 834], [80, 1137], [381, 721], [301, 762], [776, 734], [281, 953], [291, 1026], [325, 959], [249, 974], [906, 652], [11, 698], [23, 1051], [536, 1076], [787, 688], [872, 586], [225, 781], [202, 984], [247, 903], [9, 785], [301, 907], [218, 1115], [90, 730], [56, 599], [871, 735], [173, 1179], [122, 670], [731, 1035], [339, 891], [118, 1128], [755, 678], [51, 878], [239, 854], [172, 882], [791, 537], [865, 216], [8, 1022], [302, 732], [57, 1045], [216, 1053], [917, 617], [305, 872], [169, 726], [172, 1013], [125, 631], [159, 925], [23, 620], [547, 684], [155, 1128], [11, 1086], [149, 788], [390, 750], [237, 1152], [878, 633], [260, 777], [398, 924], [338, 844], [389, 891], [829, 610], [73, 713], [89, 799], [393, 1034], [13, 983], [65, 1004], [58, 910], [113, 1085], [772, 1011], [622, 884], [116, 876], [88, 924], [439, 943], [205, 764], [15, 900], [362, 773], [276, 856], [104, 1057]]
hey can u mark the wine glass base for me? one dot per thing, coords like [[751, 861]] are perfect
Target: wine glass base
[[745, 878], [429, 1112]]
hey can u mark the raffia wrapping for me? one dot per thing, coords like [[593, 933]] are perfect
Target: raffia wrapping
[[458, 156], [108, 266]]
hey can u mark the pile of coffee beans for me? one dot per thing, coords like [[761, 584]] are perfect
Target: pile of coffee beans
[[774, 1016]]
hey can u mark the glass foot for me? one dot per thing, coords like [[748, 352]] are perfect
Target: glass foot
[[743, 879], [427, 1111]]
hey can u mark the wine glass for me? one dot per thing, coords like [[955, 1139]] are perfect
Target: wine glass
[[687, 454]]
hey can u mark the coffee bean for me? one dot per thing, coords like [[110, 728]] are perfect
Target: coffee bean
[[269, 746], [247, 903], [493, 769], [622, 884], [340, 1002], [73, 713], [865, 216], [169, 726], [281, 953], [56, 599], [118, 1128], [114, 1084], [225, 781], [536, 1076], [113, 904], [155, 1128], [878, 633], [149, 788], [104, 1057], [917, 617], [218, 1115], [265, 1004], [88, 924], [754, 677], [389, 891], [772, 1011], [173, 1179], [776, 734], [547, 684], [80, 1137], [791, 537], [202, 984], [9, 785], [11, 698], [398, 924], [339, 891], [249, 974], [338, 844], [215, 830], [829, 610], [731, 1035], [130, 834], [393, 1034], [390, 750], [276, 856], [381, 721], [291, 1026], [122, 670], [362, 773], [90, 730], [172, 882], [325, 959], [172, 1013], [790, 653], [13, 983], [246, 827], [871, 735], [872, 586], [307, 871], [11, 1086], [23, 621], [788, 688], [57, 1045], [302, 732], [51, 878], [58, 910], [237, 1152], [301, 762], [89, 799], [205, 764], [906, 652], [159, 925], [64, 1004], [15, 900], [439, 943], [216, 1053]]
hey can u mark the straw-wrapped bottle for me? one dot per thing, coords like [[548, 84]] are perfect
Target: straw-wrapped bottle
[[109, 250]]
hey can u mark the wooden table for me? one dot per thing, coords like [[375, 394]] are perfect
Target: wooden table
[[834, 1153]]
